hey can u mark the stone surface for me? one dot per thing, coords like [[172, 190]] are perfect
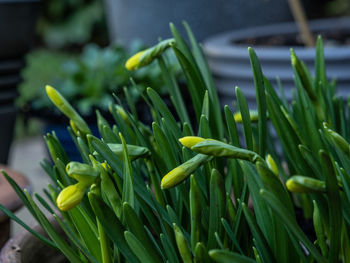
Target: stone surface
[[25, 157]]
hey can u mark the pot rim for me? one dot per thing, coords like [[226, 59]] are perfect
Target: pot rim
[[221, 46]]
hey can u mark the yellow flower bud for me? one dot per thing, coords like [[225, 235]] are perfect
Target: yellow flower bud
[[190, 141], [70, 196], [271, 164], [253, 116], [180, 173], [133, 62], [173, 178], [147, 56], [63, 105], [54, 96]]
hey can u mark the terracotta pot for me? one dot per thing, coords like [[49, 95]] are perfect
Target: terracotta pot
[[25, 248], [10, 200]]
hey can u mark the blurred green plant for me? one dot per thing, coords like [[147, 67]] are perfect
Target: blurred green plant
[[223, 197], [337, 8], [65, 23]]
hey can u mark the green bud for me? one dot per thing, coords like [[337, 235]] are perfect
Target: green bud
[[338, 139], [134, 151], [147, 56], [303, 184], [63, 105], [82, 172], [182, 245], [180, 173]]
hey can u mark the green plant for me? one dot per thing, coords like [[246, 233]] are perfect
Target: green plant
[[218, 200], [65, 23], [86, 80]]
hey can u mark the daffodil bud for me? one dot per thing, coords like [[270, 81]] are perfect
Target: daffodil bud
[[122, 113], [134, 151], [253, 116], [303, 184], [190, 141], [70, 196], [147, 56], [182, 244], [338, 139], [82, 172], [219, 149], [63, 105], [134, 62], [271, 164], [180, 173]]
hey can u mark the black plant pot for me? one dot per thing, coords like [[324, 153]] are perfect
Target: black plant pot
[[18, 18], [7, 119]]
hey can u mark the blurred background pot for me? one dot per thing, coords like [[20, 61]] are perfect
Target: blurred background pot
[[25, 248], [229, 61], [17, 26], [149, 20]]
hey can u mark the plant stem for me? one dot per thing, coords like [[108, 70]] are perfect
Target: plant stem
[[300, 18]]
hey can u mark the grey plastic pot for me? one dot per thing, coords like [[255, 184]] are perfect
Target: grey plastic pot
[[230, 64], [25, 248], [149, 20]]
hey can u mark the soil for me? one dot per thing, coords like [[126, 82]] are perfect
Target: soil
[[336, 37]]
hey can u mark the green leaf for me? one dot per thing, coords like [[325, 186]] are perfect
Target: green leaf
[[201, 254], [320, 67], [224, 256], [26, 227], [137, 247], [243, 108], [87, 231], [195, 82], [291, 224], [334, 204], [217, 207], [260, 99], [203, 66], [71, 255], [112, 225], [231, 126], [128, 187], [261, 242], [169, 250], [136, 226], [195, 212], [231, 234], [182, 245], [161, 107], [108, 188]]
